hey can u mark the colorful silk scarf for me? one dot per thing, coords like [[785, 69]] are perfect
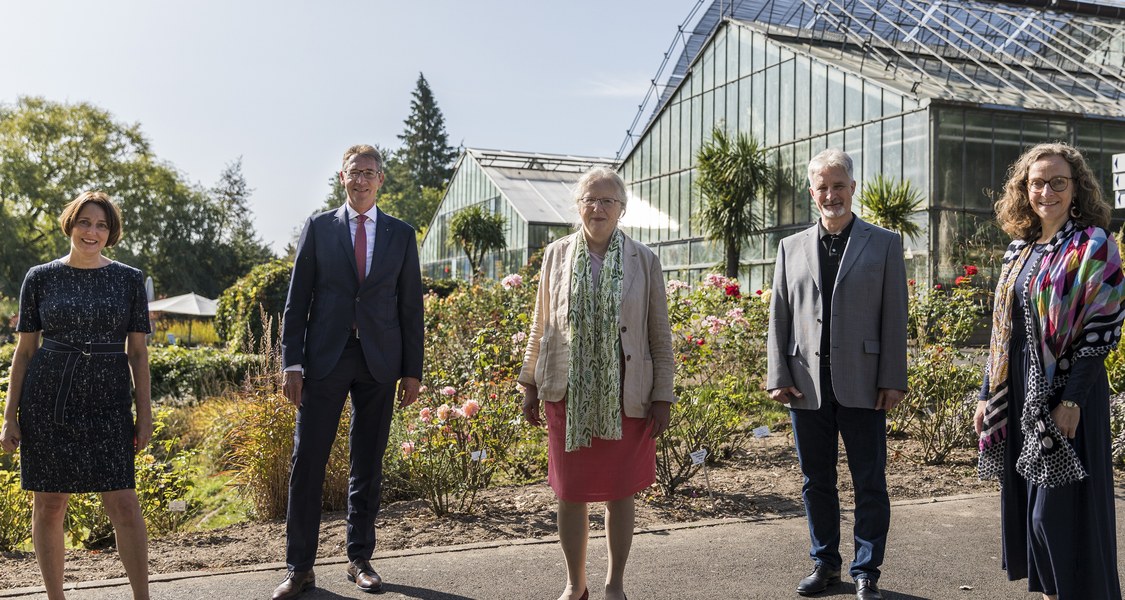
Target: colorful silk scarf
[[593, 402], [1074, 297]]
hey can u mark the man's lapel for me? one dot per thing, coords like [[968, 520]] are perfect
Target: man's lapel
[[379, 253], [809, 247], [344, 234], [860, 235]]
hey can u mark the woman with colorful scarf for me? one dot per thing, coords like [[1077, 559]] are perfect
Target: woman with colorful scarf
[[1043, 414], [600, 356]]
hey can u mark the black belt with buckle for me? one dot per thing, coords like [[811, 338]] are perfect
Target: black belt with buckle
[[73, 352]]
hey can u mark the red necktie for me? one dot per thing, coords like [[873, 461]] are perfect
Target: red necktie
[[361, 246]]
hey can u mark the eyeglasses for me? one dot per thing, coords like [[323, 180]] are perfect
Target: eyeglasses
[[368, 175], [602, 202], [1059, 184]]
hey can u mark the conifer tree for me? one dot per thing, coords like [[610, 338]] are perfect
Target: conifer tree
[[426, 152]]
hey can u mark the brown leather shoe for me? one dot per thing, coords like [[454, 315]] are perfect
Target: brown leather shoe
[[365, 578], [295, 583]]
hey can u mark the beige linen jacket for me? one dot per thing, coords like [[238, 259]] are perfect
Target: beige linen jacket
[[646, 339]]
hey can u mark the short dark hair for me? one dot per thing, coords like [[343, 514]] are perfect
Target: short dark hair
[[112, 214], [365, 150]]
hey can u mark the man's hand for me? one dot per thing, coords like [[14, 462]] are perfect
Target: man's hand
[[408, 389], [889, 398], [785, 395], [659, 415], [10, 436], [531, 405], [294, 383]]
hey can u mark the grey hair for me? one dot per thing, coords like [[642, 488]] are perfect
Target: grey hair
[[826, 159], [366, 150], [601, 174]]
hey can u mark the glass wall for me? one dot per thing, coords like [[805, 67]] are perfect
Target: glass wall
[[471, 187], [794, 104], [973, 150]]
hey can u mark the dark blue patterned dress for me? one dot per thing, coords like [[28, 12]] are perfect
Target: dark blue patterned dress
[[91, 449]]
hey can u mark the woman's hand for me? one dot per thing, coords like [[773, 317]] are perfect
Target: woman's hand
[[978, 418], [531, 405], [1066, 419], [142, 432], [659, 414], [10, 436]]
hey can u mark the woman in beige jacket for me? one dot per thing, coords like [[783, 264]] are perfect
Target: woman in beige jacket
[[600, 356]]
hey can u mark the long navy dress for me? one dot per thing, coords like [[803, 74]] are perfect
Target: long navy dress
[[1061, 539], [91, 449]]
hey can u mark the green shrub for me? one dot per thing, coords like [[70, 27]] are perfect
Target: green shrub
[[188, 331], [451, 450], [258, 297], [15, 512], [1117, 428], [180, 373], [703, 418], [261, 444], [938, 411], [441, 288]]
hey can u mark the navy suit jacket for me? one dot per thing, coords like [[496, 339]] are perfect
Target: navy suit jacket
[[326, 300]]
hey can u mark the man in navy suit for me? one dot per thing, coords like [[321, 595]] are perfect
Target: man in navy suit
[[836, 353], [353, 326]]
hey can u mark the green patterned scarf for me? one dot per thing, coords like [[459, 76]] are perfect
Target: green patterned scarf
[[593, 403]]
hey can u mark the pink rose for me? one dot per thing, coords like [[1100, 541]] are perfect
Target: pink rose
[[426, 415], [443, 412], [471, 408], [407, 448], [448, 391]]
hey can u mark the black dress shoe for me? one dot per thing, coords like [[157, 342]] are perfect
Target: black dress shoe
[[818, 581], [295, 583], [865, 589], [365, 578]]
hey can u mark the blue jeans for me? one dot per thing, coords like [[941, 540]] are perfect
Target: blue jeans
[[865, 440]]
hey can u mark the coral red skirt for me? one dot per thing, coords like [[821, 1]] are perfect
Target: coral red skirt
[[608, 469]]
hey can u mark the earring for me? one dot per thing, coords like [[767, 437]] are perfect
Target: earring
[[1074, 212]]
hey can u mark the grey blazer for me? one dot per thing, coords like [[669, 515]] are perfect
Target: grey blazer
[[868, 335]]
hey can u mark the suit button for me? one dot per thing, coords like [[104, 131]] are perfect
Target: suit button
[[819, 321], [357, 298], [624, 329], [816, 353], [628, 357]]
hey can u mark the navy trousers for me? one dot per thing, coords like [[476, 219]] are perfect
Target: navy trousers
[[318, 419], [865, 440]]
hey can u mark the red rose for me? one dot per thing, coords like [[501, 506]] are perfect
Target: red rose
[[960, 280], [699, 342], [759, 292], [732, 290], [910, 282], [970, 270], [937, 286]]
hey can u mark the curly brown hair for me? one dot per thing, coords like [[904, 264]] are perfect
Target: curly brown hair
[[1013, 209]]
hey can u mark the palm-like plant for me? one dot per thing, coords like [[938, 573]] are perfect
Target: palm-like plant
[[888, 203], [732, 174], [477, 233]]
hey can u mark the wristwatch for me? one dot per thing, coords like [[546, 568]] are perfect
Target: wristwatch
[[1069, 404]]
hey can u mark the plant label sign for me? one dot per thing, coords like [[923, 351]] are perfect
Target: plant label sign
[[479, 454], [761, 432], [1119, 180], [177, 506], [1120, 202], [698, 456]]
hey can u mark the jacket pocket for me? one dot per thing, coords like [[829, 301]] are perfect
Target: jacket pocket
[[871, 346]]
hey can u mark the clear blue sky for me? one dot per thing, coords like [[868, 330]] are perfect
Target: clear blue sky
[[288, 85]]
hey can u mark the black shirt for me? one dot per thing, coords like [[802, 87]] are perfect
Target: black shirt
[[830, 251]]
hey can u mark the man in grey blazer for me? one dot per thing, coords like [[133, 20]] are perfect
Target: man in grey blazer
[[837, 359], [353, 329]]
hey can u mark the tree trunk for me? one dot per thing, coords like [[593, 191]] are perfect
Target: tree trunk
[[733, 252]]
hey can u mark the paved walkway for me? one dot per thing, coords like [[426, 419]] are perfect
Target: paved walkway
[[941, 549]]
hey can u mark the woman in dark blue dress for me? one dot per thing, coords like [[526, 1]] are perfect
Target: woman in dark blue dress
[[82, 325], [1043, 414]]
